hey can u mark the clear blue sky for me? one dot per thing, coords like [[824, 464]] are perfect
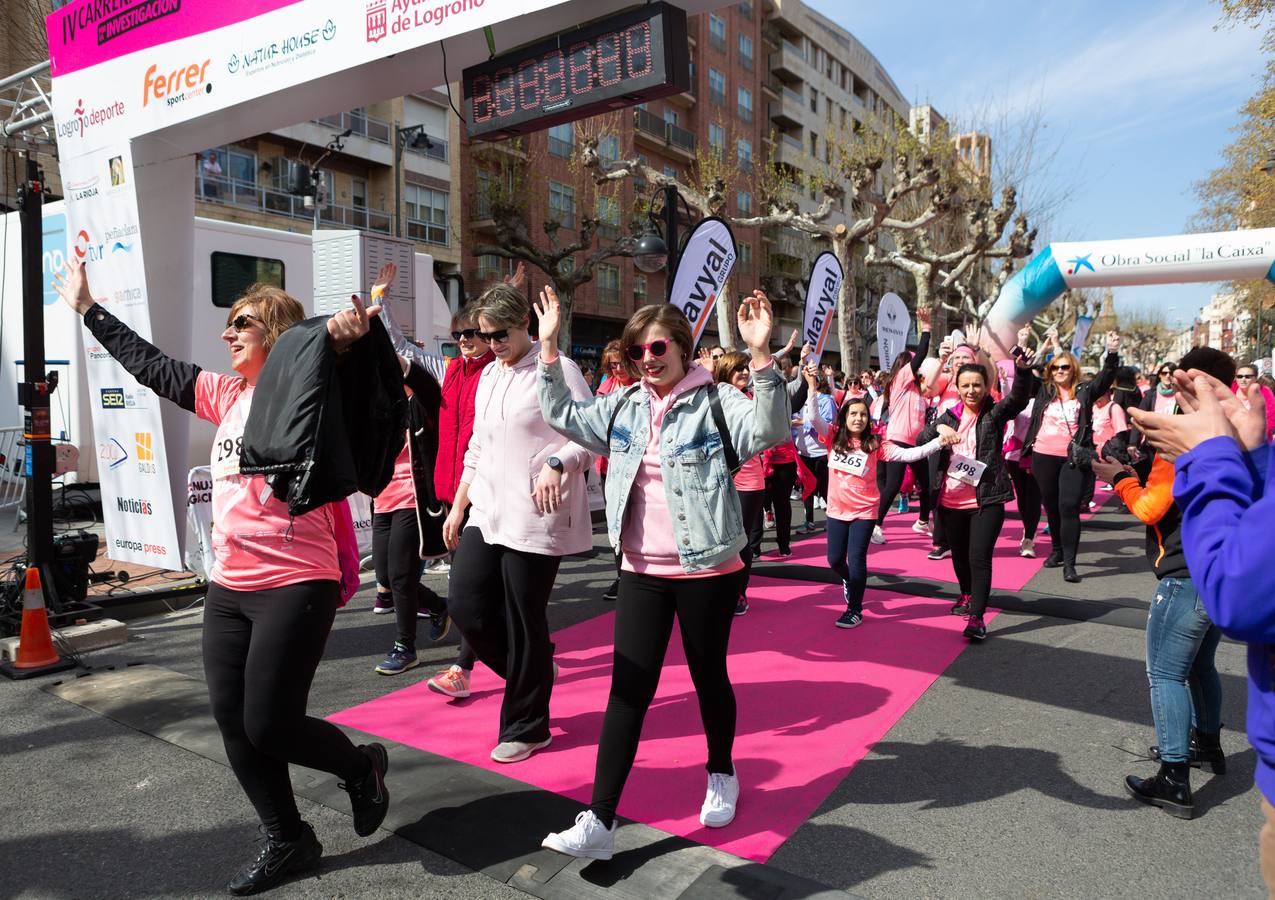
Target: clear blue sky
[[1139, 95]]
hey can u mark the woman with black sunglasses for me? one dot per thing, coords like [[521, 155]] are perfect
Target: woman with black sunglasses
[[1245, 376], [523, 488], [617, 377], [1060, 441], [675, 515], [274, 589]]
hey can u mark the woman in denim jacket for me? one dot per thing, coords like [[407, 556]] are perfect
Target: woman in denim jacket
[[674, 516]]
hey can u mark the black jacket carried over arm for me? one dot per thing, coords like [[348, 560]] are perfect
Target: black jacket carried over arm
[[422, 444], [1086, 392], [322, 427], [989, 437]]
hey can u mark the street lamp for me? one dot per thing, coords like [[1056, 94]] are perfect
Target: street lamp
[[413, 136], [660, 245]]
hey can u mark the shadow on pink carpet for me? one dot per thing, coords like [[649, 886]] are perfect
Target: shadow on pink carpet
[[812, 701], [904, 552]]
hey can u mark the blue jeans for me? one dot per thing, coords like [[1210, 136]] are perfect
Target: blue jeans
[[848, 557], [1185, 688]]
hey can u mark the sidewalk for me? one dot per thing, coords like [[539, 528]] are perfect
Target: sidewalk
[[1002, 780]]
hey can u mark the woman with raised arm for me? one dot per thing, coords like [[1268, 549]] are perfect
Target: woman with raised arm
[[854, 453], [274, 589], [1060, 441], [903, 408], [675, 515]]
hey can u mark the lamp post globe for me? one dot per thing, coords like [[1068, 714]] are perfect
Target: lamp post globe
[[651, 252]]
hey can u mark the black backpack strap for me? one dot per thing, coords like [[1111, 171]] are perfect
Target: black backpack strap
[[719, 419], [615, 413]]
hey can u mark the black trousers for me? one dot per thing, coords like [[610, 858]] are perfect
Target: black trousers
[[396, 541], [261, 649], [972, 534], [1062, 490], [779, 495], [818, 466], [1027, 492], [890, 479], [644, 612], [498, 598], [750, 503]]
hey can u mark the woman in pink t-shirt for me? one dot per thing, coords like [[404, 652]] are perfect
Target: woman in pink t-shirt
[[750, 481], [617, 378], [1245, 376], [274, 589], [903, 402], [854, 453]]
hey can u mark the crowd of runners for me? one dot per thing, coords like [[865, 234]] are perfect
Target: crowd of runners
[[702, 457]]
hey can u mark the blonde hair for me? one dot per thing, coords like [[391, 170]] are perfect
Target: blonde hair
[[504, 306], [1050, 386], [275, 308]]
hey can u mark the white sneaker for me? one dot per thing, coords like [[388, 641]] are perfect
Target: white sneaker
[[920, 526], [877, 536], [1027, 548], [718, 810], [439, 567], [586, 839], [517, 751]]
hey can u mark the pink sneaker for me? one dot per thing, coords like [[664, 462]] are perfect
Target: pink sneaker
[[451, 682]]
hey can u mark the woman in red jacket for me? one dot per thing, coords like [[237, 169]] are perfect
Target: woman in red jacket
[[455, 428]]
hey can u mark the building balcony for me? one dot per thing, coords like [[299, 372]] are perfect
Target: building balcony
[[789, 110], [427, 232], [663, 136], [359, 123], [249, 197], [687, 99], [789, 152], [789, 61]]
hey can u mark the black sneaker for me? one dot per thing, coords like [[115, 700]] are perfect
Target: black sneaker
[[369, 798], [612, 592], [277, 862], [741, 606], [850, 619], [962, 605], [439, 625], [939, 553], [975, 630], [1053, 560]]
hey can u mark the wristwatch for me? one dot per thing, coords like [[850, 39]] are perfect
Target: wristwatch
[[554, 463]]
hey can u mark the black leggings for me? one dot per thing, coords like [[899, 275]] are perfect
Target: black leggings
[[890, 479], [1027, 493], [972, 534], [396, 540], [750, 505], [818, 466], [498, 597], [644, 614], [779, 495], [261, 649], [1062, 489]]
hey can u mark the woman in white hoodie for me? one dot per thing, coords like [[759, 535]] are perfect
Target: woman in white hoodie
[[523, 485]]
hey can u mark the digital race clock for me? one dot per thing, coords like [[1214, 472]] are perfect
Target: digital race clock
[[633, 56]]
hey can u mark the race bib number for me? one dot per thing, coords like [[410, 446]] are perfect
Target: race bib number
[[225, 460], [964, 469], [853, 463]]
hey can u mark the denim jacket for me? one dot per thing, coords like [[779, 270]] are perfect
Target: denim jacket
[[703, 504]]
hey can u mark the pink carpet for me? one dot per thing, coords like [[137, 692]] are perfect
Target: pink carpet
[[904, 552], [812, 698]]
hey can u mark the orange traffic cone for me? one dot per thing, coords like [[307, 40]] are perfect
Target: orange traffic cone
[[36, 655]]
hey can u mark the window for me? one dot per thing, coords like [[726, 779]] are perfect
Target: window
[[670, 116], [608, 278], [488, 267], [745, 259], [814, 100], [426, 212], [562, 140], [716, 87], [716, 31], [746, 52], [745, 105], [608, 216], [670, 171], [233, 272], [484, 193], [746, 9], [358, 193], [229, 175], [639, 289], [814, 145], [744, 203], [744, 153], [609, 147], [716, 136], [562, 204]]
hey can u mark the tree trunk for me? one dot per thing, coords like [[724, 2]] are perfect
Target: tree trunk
[[725, 310], [847, 308]]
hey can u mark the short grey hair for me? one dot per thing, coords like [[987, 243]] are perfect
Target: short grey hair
[[503, 305]]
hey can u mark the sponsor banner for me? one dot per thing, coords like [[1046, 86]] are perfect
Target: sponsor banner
[[893, 324], [102, 234], [201, 555], [361, 515], [705, 264], [1083, 324], [821, 303], [1219, 256]]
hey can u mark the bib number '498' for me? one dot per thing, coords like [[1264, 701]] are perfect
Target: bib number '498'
[[962, 468]]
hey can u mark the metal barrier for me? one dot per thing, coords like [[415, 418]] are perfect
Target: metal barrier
[[13, 482]]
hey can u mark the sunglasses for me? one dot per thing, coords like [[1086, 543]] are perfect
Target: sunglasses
[[1164, 372], [467, 333], [615, 365], [741, 369], [240, 322], [1064, 367], [1246, 377], [637, 351], [493, 336]]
